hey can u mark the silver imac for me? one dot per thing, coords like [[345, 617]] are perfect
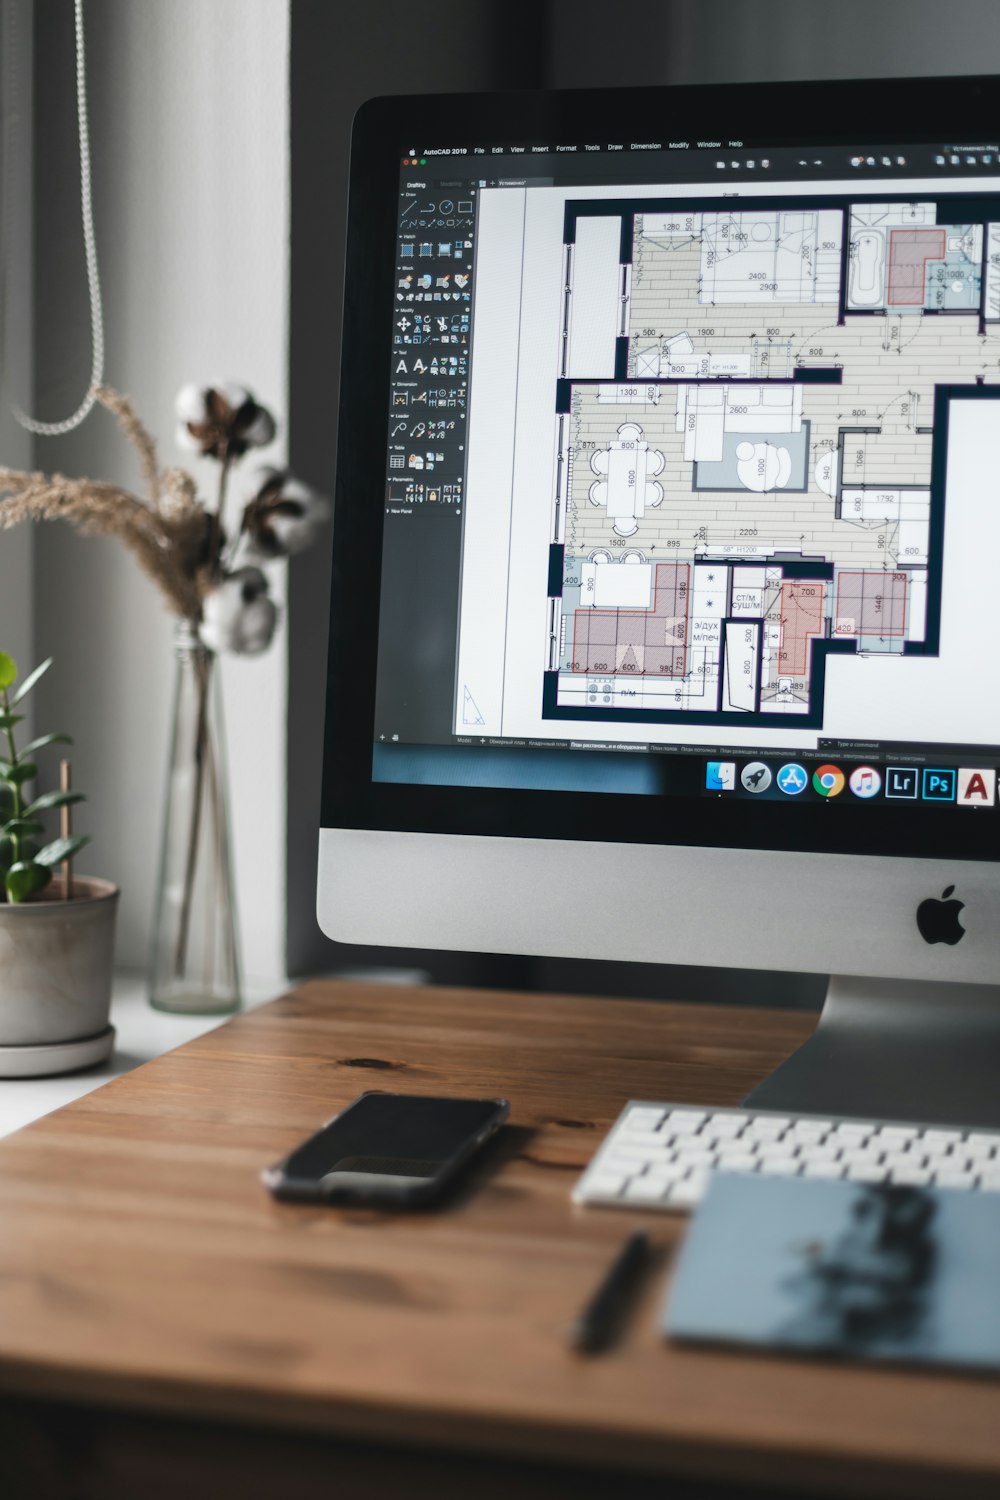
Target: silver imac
[[665, 619]]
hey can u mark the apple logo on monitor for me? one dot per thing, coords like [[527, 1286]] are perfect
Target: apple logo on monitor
[[937, 920]]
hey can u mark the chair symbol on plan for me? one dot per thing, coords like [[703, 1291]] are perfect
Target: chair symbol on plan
[[628, 465]]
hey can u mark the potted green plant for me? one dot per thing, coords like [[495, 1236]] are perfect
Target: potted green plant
[[56, 930]]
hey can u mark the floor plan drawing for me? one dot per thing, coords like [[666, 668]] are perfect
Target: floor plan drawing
[[756, 479]]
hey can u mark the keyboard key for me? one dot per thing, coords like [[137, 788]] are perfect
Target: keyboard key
[[769, 1124], [689, 1191], [866, 1172], [978, 1149], [606, 1184], [697, 1156], [823, 1169], [941, 1137], [784, 1147], [673, 1172], [935, 1152], [897, 1134], [956, 1179], [823, 1151], [914, 1156], [645, 1190], [738, 1161], [685, 1121], [621, 1162], [860, 1156], [652, 1150], [910, 1176], [644, 1117], [780, 1166]]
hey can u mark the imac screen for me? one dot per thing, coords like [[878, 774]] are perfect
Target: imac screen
[[691, 472]]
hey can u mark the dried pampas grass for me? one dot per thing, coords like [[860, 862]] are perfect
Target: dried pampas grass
[[169, 534]]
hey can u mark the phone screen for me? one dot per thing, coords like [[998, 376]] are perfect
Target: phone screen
[[400, 1138]]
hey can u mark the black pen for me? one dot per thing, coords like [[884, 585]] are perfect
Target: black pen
[[594, 1329]]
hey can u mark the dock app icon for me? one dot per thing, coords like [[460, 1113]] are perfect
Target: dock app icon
[[720, 776], [977, 788], [939, 784], [901, 781]]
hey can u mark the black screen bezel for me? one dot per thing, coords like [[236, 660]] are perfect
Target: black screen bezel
[[383, 132]]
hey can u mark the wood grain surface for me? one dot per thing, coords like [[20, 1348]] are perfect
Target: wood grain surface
[[143, 1268]]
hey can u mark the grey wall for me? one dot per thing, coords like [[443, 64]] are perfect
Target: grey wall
[[720, 41], [188, 106], [16, 547]]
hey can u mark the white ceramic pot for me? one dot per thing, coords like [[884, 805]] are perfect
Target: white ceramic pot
[[56, 960]]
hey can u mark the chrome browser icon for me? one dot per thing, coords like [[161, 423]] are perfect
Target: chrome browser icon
[[828, 781]]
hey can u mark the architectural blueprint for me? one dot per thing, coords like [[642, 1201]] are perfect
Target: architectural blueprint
[[751, 432]]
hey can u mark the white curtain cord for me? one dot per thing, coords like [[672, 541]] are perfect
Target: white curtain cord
[[57, 429]]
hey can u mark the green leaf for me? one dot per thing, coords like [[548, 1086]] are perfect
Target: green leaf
[[6, 801], [25, 878], [43, 740], [23, 826], [8, 670], [30, 681], [53, 799], [8, 721], [55, 853], [25, 770]]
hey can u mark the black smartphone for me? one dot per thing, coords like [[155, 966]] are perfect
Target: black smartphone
[[390, 1150]]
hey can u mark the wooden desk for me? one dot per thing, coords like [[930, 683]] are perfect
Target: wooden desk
[[168, 1330]]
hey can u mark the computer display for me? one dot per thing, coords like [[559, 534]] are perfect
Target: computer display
[[664, 623], [692, 444]]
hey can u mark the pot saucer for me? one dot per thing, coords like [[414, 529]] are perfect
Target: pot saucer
[[35, 1060]]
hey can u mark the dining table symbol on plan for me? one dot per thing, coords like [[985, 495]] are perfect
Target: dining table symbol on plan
[[627, 470]]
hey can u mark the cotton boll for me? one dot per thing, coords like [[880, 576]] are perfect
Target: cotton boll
[[222, 421], [283, 515], [189, 404], [232, 392], [238, 615], [260, 430], [185, 438], [294, 534]]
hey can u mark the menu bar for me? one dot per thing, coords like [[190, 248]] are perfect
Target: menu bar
[[678, 161]]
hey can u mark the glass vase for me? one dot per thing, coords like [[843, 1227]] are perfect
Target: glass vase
[[194, 961]]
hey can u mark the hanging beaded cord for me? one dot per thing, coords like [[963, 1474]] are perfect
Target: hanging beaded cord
[[31, 424]]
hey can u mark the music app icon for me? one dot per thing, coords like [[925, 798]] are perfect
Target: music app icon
[[865, 782]]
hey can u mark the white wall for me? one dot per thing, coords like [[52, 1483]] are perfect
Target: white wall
[[189, 118]]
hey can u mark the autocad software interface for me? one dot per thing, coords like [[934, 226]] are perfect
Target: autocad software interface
[[731, 472]]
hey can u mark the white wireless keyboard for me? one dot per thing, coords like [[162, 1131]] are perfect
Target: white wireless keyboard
[[660, 1156]]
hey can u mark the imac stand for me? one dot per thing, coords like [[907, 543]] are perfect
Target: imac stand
[[896, 1049]]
